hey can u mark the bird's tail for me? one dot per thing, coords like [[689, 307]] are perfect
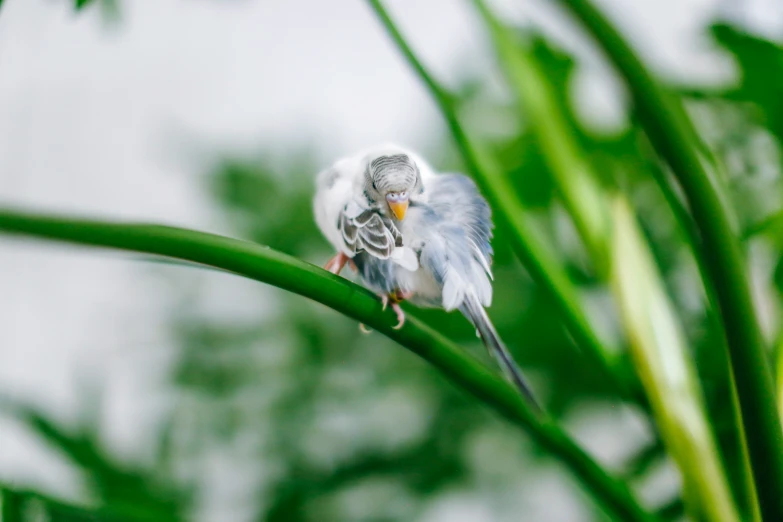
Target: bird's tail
[[473, 309]]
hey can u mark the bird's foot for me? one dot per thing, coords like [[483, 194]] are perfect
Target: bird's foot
[[336, 264], [394, 299], [400, 315]]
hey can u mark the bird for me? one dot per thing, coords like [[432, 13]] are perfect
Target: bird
[[413, 234]]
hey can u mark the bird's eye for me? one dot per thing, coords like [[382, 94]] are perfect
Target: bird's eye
[[403, 194]]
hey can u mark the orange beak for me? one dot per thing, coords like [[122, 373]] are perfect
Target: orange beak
[[399, 208]]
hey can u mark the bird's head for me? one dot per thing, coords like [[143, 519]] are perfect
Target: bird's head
[[393, 179]]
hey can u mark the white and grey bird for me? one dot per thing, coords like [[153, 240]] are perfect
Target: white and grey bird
[[413, 234]]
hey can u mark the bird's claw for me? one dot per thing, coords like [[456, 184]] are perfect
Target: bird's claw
[[400, 315], [363, 328], [394, 300]]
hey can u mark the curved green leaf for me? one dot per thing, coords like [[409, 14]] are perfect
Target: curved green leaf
[[670, 132], [266, 265]]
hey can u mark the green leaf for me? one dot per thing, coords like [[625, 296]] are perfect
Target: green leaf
[[662, 359], [266, 265], [760, 64], [119, 487], [579, 189], [671, 133]]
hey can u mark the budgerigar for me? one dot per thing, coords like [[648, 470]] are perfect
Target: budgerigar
[[413, 234]]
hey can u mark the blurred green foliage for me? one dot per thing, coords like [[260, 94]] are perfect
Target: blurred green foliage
[[324, 423]]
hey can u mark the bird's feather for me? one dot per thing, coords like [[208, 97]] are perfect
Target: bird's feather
[[346, 214], [451, 234], [440, 252], [455, 198], [371, 233], [474, 311]]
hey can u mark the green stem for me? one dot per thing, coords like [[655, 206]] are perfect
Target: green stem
[[266, 265], [662, 360], [535, 253], [578, 187], [685, 428], [666, 125]]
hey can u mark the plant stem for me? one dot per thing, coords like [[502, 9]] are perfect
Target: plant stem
[[666, 125], [571, 172], [535, 253], [266, 265], [648, 316], [661, 358]]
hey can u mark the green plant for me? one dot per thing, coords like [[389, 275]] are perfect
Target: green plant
[[709, 399]]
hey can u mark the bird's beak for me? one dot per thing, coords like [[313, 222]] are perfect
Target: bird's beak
[[399, 208], [398, 205]]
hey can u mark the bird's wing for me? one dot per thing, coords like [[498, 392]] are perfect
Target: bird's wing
[[345, 217], [334, 190], [366, 230], [457, 201], [456, 228]]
